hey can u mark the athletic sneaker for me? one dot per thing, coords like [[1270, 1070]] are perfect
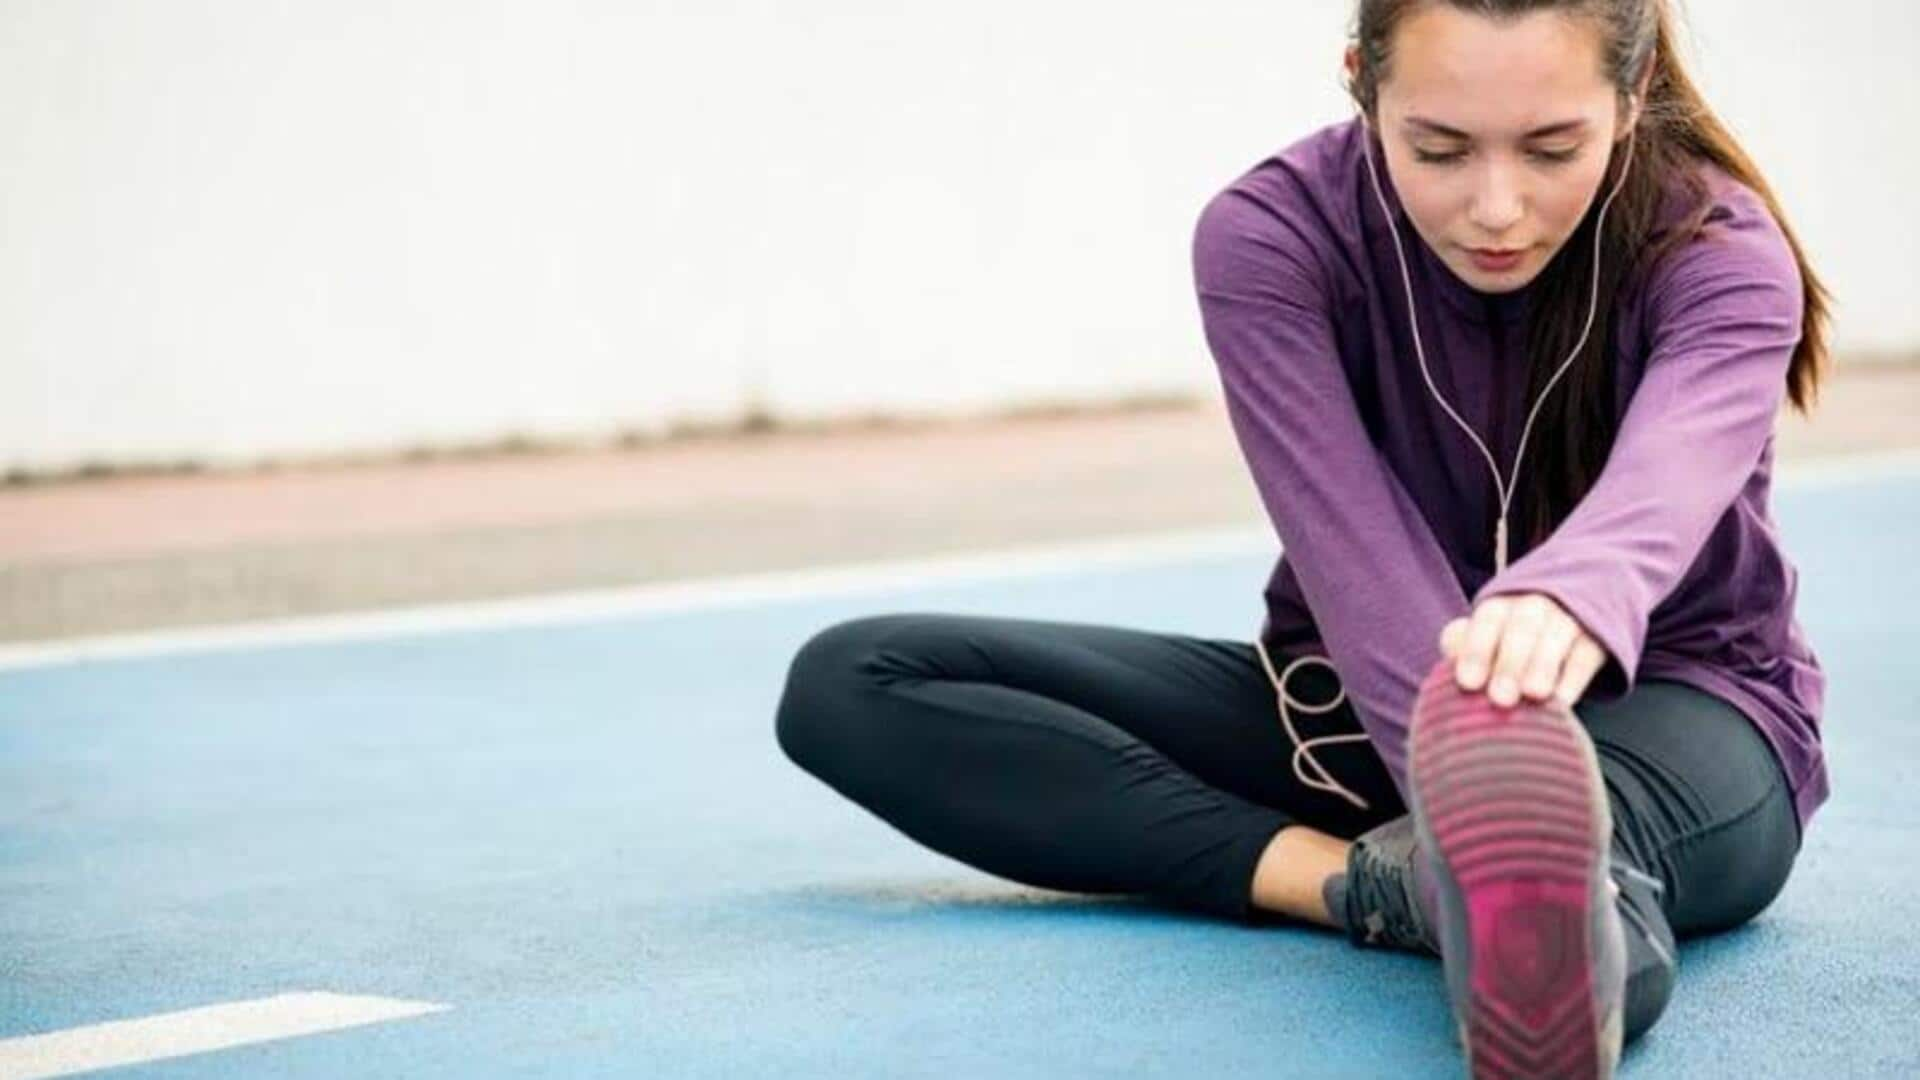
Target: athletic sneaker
[[1512, 815], [1385, 879], [1388, 893]]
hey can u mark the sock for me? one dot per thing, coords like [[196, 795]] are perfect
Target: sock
[[1334, 894]]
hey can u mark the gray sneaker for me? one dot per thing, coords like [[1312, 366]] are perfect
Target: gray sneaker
[[1384, 879]]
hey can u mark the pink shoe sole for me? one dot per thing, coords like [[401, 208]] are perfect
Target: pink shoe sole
[[1511, 807]]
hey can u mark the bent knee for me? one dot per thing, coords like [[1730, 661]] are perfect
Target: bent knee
[[817, 721], [1737, 873]]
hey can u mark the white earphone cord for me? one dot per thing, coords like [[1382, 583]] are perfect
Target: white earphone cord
[[1503, 489]]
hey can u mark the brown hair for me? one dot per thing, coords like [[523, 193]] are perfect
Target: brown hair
[[1676, 130]]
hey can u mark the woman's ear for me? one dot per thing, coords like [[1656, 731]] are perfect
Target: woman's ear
[[1351, 62], [1637, 101]]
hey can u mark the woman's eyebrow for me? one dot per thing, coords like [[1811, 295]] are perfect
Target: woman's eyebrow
[[1441, 129]]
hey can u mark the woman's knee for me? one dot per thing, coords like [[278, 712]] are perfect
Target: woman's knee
[[817, 723], [1737, 873]]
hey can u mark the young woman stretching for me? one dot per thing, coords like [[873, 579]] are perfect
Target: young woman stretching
[[1504, 355]]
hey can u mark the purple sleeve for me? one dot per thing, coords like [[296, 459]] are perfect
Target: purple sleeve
[[1378, 584], [1725, 314]]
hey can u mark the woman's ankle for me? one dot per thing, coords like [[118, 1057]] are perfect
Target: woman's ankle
[[1295, 875]]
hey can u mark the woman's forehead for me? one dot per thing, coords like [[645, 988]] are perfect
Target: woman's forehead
[[1499, 78]]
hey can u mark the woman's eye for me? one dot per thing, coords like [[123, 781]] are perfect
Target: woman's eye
[[1552, 157]]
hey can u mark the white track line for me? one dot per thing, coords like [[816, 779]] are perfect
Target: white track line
[[1849, 469], [751, 589], [195, 1031], [663, 598]]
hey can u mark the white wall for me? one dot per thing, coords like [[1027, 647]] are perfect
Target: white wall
[[232, 230]]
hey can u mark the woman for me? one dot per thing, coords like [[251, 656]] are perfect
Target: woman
[[1530, 693]]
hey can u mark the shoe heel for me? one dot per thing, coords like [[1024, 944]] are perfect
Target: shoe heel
[[1512, 807]]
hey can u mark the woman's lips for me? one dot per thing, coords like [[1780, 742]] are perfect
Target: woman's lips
[[1494, 262]]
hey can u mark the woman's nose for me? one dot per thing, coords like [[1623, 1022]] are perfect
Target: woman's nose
[[1496, 203]]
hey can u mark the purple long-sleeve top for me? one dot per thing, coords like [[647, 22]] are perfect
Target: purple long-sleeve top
[[1384, 508]]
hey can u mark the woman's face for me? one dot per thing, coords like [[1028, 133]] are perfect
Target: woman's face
[[1497, 135]]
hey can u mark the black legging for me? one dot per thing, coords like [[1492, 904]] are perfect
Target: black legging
[[1101, 759]]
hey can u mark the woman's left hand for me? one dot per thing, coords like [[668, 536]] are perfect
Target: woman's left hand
[[1522, 643]]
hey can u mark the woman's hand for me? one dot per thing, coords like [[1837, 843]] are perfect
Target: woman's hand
[[1528, 644]]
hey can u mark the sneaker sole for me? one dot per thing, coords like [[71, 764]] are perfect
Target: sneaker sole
[[1511, 803]]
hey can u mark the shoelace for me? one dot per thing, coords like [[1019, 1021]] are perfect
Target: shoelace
[[1304, 749], [1384, 888]]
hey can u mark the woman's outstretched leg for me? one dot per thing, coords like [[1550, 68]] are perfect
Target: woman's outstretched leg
[[1702, 838], [1510, 809], [1070, 756]]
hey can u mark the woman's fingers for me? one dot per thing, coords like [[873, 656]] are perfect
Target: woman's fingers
[[1484, 627], [1550, 656], [1518, 643], [1525, 644], [1583, 663]]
